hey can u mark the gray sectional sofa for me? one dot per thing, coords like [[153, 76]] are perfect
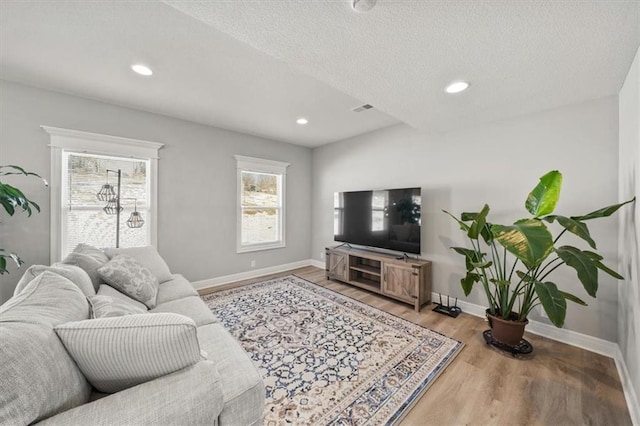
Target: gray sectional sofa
[[171, 364]]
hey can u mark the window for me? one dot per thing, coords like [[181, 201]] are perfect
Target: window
[[79, 164], [83, 217], [261, 189]]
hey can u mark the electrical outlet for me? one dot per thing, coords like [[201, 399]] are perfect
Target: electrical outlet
[[253, 263], [322, 255], [543, 314]]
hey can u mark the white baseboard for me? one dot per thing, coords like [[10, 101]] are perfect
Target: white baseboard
[[226, 279], [573, 338], [633, 402]]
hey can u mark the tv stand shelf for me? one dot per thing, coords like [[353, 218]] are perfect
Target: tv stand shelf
[[407, 279]]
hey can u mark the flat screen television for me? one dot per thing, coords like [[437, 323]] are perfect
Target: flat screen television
[[387, 219]]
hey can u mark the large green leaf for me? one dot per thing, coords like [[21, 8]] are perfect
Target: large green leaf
[[596, 259], [574, 299], [574, 226], [603, 212], [527, 239], [4, 255], [473, 258], [468, 281], [544, 197], [584, 265], [478, 223], [553, 302], [463, 226]]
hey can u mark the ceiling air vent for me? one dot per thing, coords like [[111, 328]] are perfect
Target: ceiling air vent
[[362, 108]]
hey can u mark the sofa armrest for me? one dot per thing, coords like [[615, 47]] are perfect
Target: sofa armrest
[[190, 396]]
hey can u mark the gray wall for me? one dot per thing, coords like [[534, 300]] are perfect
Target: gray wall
[[629, 290], [197, 182], [498, 164]]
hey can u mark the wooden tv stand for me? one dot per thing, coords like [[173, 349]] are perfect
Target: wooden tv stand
[[407, 280]]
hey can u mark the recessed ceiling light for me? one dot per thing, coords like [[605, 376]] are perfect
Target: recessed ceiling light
[[457, 87], [302, 120], [141, 69], [363, 5]]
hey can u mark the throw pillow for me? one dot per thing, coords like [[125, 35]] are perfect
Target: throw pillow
[[121, 352], [126, 274], [75, 274], [149, 257], [107, 290], [106, 306]]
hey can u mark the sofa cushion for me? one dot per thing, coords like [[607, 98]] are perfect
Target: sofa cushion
[[176, 288], [38, 378], [129, 276], [107, 290], [148, 256], [92, 251], [121, 352], [49, 299], [242, 387], [90, 259], [75, 274], [192, 307], [107, 306]]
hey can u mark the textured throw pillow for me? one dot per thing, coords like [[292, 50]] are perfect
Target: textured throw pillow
[[75, 274], [107, 290], [126, 274], [106, 306], [149, 257], [121, 352]]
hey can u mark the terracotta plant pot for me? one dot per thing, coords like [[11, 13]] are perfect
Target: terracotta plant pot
[[509, 332]]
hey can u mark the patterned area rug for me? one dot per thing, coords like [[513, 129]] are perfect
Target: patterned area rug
[[329, 359]]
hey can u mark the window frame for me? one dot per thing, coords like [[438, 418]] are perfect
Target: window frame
[[259, 165], [75, 141]]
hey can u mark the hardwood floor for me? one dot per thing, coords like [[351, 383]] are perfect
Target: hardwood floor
[[557, 384]]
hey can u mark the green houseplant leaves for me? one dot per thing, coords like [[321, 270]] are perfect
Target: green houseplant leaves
[[513, 262], [13, 200]]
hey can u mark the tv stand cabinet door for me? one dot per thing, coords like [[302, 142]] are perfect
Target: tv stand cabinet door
[[401, 282], [337, 265]]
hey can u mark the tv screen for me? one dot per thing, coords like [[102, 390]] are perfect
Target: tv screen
[[388, 219]]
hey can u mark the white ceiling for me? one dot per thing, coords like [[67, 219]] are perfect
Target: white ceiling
[[255, 66]]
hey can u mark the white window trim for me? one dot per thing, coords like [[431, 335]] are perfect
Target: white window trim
[[261, 166], [94, 143]]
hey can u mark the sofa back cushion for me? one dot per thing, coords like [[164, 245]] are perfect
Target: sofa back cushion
[[49, 299], [73, 273], [38, 377], [107, 306]]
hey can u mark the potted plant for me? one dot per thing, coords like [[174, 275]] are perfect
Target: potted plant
[[513, 263], [12, 199]]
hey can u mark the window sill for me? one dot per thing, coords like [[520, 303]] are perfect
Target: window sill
[[260, 247]]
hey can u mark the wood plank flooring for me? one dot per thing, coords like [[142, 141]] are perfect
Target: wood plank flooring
[[557, 384]]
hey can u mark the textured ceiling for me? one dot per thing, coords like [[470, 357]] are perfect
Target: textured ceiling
[[200, 74], [520, 56], [255, 66]]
